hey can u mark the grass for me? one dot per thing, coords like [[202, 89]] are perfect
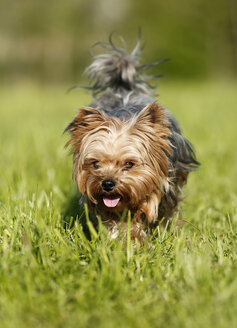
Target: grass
[[52, 277]]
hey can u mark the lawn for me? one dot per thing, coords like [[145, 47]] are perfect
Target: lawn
[[54, 277]]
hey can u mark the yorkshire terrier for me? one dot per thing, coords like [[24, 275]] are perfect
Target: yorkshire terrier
[[128, 150]]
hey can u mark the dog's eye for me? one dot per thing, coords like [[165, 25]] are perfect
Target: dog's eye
[[129, 165], [96, 165]]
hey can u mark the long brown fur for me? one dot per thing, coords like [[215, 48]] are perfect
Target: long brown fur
[[142, 140]]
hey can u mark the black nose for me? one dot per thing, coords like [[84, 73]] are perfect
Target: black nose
[[108, 185]]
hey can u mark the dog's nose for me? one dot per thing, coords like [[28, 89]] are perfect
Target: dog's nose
[[108, 185]]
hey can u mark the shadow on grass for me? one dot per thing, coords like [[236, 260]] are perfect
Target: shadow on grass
[[74, 211]]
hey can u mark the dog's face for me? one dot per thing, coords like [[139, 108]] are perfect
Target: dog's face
[[121, 164]]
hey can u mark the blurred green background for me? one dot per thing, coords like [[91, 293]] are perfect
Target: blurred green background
[[54, 278], [48, 41]]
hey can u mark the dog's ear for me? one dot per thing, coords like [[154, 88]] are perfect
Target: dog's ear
[[152, 115], [86, 120]]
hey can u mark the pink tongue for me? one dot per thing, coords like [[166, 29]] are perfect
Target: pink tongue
[[111, 202]]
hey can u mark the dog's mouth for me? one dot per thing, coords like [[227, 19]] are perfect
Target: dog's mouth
[[111, 201]]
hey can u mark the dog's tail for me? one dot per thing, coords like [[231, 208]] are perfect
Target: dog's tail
[[119, 69]]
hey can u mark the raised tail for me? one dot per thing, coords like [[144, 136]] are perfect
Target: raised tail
[[119, 69]]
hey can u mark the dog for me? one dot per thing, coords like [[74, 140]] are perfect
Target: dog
[[128, 151]]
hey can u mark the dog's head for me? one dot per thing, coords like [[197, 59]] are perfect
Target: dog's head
[[121, 164]]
